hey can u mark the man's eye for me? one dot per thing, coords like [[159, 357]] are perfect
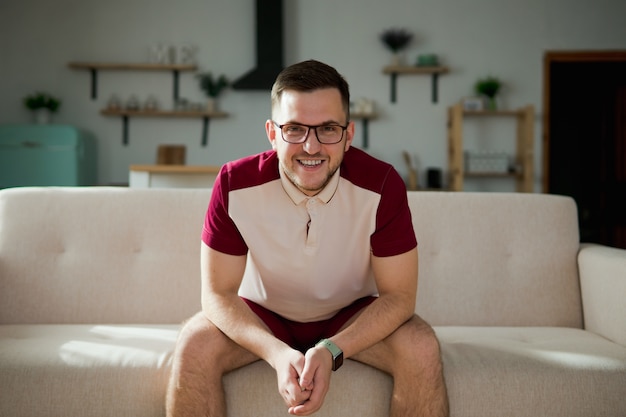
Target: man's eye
[[295, 129]]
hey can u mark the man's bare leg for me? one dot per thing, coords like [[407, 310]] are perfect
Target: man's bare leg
[[203, 355], [412, 356]]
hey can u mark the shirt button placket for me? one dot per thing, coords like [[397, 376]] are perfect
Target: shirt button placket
[[311, 207]]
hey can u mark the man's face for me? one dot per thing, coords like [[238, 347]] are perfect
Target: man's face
[[311, 164]]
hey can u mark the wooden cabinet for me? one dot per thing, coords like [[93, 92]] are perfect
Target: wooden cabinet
[[522, 168], [172, 176]]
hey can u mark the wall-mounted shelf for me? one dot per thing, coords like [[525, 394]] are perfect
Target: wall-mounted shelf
[[365, 119], [434, 72], [524, 155], [94, 67], [126, 114]]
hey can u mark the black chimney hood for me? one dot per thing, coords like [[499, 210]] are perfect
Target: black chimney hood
[[269, 47]]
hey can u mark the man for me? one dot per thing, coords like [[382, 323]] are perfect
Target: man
[[308, 257]]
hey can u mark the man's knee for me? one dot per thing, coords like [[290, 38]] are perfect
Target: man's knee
[[198, 338], [201, 345], [417, 338]]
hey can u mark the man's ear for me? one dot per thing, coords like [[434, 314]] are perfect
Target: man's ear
[[270, 131], [349, 134]]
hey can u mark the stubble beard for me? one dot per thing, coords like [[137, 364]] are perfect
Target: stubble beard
[[293, 178]]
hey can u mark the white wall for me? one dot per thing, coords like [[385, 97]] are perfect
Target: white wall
[[506, 38]]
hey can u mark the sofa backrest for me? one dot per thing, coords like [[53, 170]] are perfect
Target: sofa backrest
[[497, 259], [100, 255], [119, 255]]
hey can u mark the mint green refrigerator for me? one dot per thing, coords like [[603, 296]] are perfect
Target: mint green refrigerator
[[46, 155]]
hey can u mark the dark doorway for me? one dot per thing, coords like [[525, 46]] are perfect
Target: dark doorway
[[585, 139]]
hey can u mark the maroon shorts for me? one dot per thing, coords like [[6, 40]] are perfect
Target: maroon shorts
[[303, 336]]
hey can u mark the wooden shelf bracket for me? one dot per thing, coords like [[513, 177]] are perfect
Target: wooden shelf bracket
[[126, 114], [434, 72], [365, 120]]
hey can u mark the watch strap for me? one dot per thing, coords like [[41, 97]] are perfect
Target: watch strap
[[334, 350]]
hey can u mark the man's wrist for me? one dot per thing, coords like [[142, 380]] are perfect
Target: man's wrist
[[335, 351]]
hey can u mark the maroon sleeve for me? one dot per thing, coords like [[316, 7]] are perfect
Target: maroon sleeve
[[394, 233], [219, 231]]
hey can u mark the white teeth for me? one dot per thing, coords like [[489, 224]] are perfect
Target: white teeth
[[309, 162]]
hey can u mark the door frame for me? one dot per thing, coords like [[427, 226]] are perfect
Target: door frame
[[551, 57]]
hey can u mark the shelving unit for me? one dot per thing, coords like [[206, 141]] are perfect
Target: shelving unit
[[94, 67], [434, 72], [175, 69], [524, 155], [126, 114]]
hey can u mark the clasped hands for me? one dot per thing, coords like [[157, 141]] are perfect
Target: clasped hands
[[303, 380]]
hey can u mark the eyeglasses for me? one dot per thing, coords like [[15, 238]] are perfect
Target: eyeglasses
[[325, 134]]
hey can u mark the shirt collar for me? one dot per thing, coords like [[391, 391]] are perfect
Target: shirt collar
[[298, 196]]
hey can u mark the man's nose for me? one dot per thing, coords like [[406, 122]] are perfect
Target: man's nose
[[311, 145]]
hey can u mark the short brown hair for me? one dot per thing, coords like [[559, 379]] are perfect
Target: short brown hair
[[309, 76]]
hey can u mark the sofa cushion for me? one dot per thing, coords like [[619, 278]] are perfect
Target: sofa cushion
[[113, 370], [497, 259], [530, 372], [104, 370], [84, 370], [490, 372], [100, 255]]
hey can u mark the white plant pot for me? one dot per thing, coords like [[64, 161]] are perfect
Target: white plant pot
[[42, 116], [398, 59], [211, 105]]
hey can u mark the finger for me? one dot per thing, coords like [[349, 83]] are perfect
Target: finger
[[310, 406], [308, 374], [294, 395], [306, 386], [302, 397], [316, 399], [304, 409]]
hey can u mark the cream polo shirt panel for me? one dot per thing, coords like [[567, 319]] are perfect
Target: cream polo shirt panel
[[306, 275], [312, 205]]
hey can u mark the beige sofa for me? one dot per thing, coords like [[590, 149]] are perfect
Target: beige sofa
[[94, 283]]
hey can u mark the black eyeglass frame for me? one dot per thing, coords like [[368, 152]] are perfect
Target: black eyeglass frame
[[309, 127]]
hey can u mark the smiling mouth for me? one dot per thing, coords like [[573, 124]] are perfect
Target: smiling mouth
[[310, 162]]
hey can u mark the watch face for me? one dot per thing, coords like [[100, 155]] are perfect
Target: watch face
[[337, 361]]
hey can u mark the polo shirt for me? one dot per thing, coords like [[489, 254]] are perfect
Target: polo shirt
[[308, 257]]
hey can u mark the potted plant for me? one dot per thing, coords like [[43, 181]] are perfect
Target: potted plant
[[212, 87], [396, 40], [488, 87], [43, 105]]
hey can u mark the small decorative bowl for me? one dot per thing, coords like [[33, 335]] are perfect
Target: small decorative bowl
[[427, 60]]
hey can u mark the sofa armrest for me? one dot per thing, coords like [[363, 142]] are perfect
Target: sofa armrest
[[603, 288]]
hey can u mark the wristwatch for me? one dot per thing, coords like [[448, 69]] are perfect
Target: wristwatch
[[334, 350]]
